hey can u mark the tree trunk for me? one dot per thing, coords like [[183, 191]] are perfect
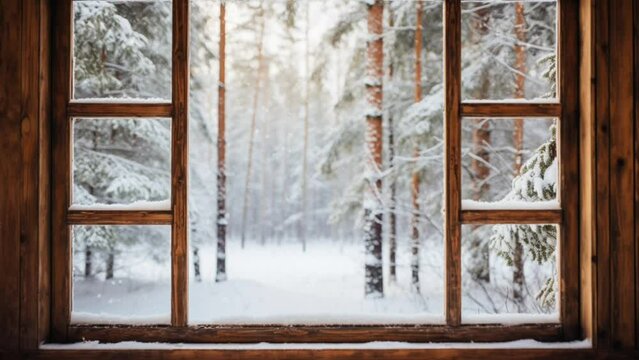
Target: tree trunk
[[479, 267], [392, 221], [519, 277], [196, 264], [303, 220], [88, 262], [415, 181], [265, 170], [374, 276], [249, 166], [110, 264], [220, 268]]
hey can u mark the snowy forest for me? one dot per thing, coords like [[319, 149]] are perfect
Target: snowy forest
[[316, 162]]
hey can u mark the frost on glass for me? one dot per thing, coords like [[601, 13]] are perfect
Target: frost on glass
[[294, 250], [121, 275], [122, 50], [509, 163], [121, 163], [509, 273], [509, 49]]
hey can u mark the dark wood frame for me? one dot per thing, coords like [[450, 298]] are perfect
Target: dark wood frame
[[566, 110]]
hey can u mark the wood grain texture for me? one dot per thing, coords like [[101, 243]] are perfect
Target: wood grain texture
[[315, 334], [568, 84], [636, 163], [452, 136], [497, 110], [61, 174], [34, 254], [119, 217], [179, 164], [10, 174], [588, 251], [511, 216], [83, 109], [622, 239], [301, 354], [602, 178]]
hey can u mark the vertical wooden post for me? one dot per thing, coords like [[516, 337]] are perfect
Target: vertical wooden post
[[61, 175], [452, 136], [568, 85], [179, 164]]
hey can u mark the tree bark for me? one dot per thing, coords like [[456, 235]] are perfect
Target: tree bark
[[392, 221], [88, 262], [415, 181], [110, 264], [220, 268], [249, 166], [519, 277], [196, 264], [374, 276]]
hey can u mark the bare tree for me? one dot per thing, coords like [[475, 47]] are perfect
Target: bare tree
[[518, 144], [249, 166], [392, 221], [303, 220], [415, 179], [220, 272]]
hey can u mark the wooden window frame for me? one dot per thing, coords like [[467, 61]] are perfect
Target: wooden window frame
[[565, 110]]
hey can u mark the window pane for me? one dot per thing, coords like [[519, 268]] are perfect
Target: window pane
[[509, 163], [510, 274], [122, 49], [273, 278], [508, 49], [121, 275], [121, 163]]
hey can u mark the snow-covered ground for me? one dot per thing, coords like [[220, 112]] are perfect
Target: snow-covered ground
[[281, 284]]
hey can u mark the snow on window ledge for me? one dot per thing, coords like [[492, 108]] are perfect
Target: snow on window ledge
[[135, 206], [510, 319], [513, 101], [377, 345], [113, 100], [510, 205], [80, 318]]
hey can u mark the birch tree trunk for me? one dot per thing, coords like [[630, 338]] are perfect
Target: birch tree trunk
[[220, 269], [415, 181], [518, 144], [374, 277], [249, 166]]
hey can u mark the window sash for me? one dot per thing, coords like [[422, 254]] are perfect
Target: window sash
[[565, 110]]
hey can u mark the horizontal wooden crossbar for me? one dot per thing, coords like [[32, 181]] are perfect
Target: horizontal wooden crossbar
[[152, 110], [498, 109]]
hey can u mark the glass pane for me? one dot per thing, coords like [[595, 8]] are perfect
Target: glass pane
[[294, 249], [509, 163], [121, 163], [509, 49], [122, 50], [121, 275], [509, 274]]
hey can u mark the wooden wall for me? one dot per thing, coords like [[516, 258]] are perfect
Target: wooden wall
[[610, 169], [609, 114], [24, 173]]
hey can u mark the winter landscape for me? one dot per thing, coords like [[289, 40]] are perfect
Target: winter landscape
[[316, 163]]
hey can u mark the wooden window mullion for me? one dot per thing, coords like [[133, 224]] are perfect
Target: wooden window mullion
[[452, 136], [179, 167], [568, 145]]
